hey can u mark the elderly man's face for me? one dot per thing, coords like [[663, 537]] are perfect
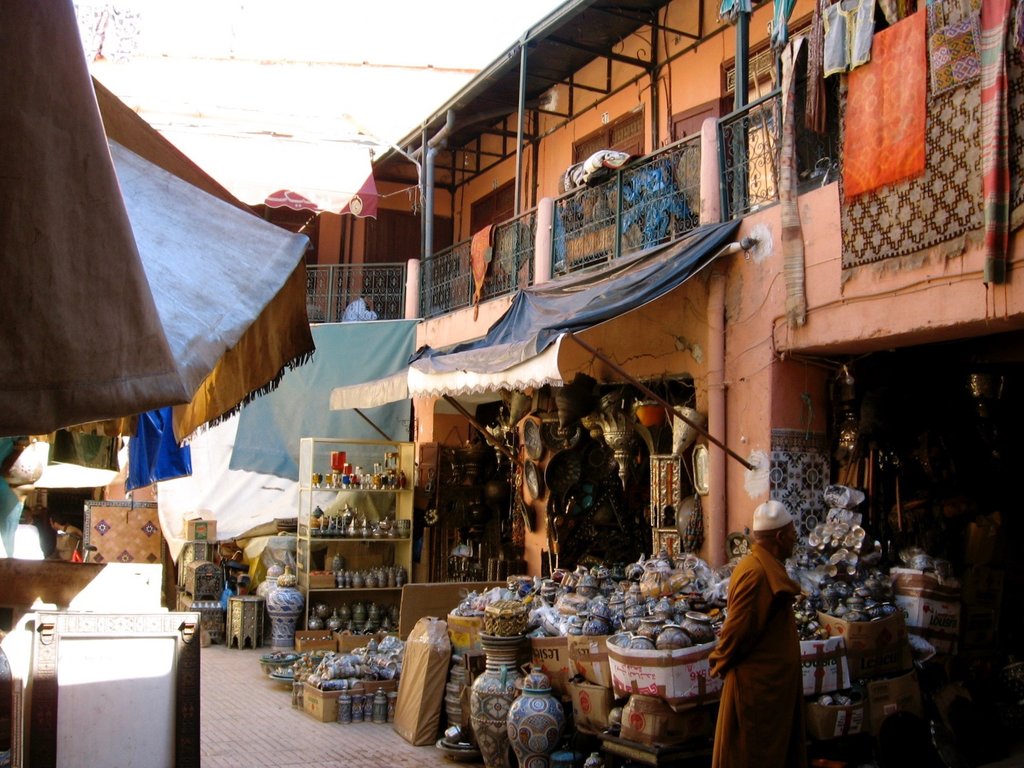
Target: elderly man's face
[[786, 537]]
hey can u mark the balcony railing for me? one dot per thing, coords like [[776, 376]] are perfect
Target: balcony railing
[[447, 276], [748, 146], [652, 201], [749, 141], [332, 288]]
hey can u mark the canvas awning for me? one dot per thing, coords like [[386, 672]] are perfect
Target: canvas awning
[[523, 348], [123, 287]]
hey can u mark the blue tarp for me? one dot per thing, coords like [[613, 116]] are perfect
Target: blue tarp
[[269, 428], [153, 453]]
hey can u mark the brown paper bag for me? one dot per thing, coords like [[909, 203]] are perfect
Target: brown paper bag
[[421, 688]]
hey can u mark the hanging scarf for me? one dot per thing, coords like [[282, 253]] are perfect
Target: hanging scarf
[[815, 114], [792, 235], [995, 141]]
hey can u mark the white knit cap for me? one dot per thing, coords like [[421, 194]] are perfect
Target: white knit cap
[[771, 515]]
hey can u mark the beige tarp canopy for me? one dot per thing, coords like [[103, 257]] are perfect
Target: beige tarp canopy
[[132, 280]]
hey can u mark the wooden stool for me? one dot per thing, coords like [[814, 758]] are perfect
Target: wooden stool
[[689, 755], [245, 621]]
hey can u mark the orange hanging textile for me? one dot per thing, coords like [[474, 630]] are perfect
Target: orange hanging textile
[[884, 138]]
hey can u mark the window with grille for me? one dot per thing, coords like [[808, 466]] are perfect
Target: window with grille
[[495, 208], [626, 134]]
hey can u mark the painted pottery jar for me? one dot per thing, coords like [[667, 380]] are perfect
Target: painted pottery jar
[[270, 582], [284, 605], [491, 698], [536, 721]]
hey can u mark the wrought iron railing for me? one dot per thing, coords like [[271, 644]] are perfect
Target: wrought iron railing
[[748, 146], [651, 201], [749, 141], [331, 289], [446, 281], [512, 264], [447, 276]]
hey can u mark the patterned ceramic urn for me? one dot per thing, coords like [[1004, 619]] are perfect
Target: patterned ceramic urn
[[492, 695], [535, 721], [284, 606]]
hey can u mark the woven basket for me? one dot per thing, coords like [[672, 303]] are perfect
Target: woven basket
[[505, 618]]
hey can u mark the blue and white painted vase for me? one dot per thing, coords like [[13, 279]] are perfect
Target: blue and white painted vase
[[284, 606], [536, 721]]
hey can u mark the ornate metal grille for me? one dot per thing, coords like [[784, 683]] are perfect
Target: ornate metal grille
[[650, 202], [331, 288], [748, 140], [446, 282], [512, 264]]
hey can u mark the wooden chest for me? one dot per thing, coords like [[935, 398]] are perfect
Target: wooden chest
[[194, 550], [213, 617], [204, 580]]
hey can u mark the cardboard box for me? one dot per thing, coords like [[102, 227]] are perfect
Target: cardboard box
[[649, 720], [825, 666], [464, 632], [315, 640], [591, 705], [372, 686], [552, 655], [200, 529], [678, 677], [895, 694], [826, 722], [320, 705], [322, 580], [588, 656], [428, 653], [931, 608], [433, 599], [873, 648]]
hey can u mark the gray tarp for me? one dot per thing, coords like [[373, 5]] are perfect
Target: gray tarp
[[104, 315], [541, 313]]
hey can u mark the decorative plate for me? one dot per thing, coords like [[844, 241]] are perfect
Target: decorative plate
[[532, 440], [533, 480], [737, 544], [563, 471]]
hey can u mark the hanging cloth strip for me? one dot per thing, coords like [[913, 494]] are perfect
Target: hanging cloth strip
[[849, 28], [815, 114], [481, 252], [780, 23], [995, 142], [792, 235], [729, 11]]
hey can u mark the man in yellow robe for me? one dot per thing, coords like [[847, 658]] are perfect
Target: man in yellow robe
[[761, 719]]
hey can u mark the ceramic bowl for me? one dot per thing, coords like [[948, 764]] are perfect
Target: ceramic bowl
[[277, 662]]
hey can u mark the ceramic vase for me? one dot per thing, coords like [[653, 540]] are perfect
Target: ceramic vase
[[284, 606], [270, 582], [491, 697], [536, 722]]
